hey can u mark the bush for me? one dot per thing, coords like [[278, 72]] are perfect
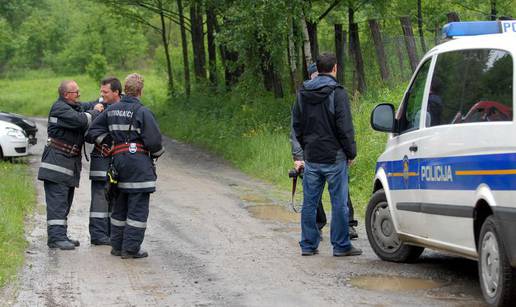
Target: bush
[[97, 67]]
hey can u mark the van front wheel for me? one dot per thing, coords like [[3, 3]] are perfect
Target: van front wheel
[[497, 277], [382, 235]]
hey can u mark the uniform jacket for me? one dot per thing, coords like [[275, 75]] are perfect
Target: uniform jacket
[[99, 163], [128, 121], [67, 123], [322, 123]]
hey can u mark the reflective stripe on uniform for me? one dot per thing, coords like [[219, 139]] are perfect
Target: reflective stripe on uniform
[[100, 138], [57, 168], [88, 116], [137, 185], [52, 120], [100, 215], [56, 222], [98, 173], [123, 128], [136, 223], [118, 222]]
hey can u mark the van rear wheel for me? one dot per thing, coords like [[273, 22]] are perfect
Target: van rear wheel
[[382, 235], [497, 277]]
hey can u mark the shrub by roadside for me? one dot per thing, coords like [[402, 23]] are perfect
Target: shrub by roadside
[[17, 199]]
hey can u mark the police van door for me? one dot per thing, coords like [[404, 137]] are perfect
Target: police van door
[[466, 151], [403, 152]]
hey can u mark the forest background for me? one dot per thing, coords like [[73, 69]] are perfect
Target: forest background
[[222, 73]]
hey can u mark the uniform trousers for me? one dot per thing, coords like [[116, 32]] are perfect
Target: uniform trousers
[[59, 199], [129, 221]]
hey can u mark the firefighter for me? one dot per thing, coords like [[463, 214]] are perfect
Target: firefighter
[[137, 141], [60, 168], [110, 92]]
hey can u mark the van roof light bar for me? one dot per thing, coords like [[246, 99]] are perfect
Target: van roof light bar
[[471, 28]]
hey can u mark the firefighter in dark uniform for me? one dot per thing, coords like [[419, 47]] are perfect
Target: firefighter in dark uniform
[[110, 92], [137, 141], [60, 168]]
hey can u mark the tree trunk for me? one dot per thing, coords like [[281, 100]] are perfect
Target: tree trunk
[[292, 58], [380, 51], [410, 42], [212, 51], [199, 53], [493, 10], [357, 56], [184, 44], [339, 52], [452, 17], [420, 26], [312, 34], [306, 43], [165, 46]]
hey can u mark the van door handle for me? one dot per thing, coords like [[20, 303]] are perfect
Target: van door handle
[[413, 148]]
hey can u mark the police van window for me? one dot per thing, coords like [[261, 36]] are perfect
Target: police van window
[[471, 86], [411, 109]]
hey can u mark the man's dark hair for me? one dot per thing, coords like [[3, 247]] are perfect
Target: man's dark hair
[[325, 62], [114, 83]]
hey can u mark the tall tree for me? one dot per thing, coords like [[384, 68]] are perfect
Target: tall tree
[[211, 21], [199, 54], [420, 26], [184, 44]]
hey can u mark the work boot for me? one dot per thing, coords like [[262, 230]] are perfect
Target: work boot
[[353, 235], [353, 251], [116, 252], [62, 245], [101, 241], [74, 242], [130, 255], [310, 252]]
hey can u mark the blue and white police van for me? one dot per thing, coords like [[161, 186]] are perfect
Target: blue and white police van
[[447, 178]]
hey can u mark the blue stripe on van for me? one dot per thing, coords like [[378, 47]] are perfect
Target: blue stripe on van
[[498, 171]]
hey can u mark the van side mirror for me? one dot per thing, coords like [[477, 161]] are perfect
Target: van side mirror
[[382, 117]]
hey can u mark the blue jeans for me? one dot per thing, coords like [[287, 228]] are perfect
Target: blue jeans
[[315, 175]]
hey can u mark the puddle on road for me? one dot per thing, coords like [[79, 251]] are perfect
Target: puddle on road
[[394, 283], [273, 213], [254, 198]]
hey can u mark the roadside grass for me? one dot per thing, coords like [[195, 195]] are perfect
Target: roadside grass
[[17, 199]]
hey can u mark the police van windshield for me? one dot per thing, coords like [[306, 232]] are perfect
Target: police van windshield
[[471, 86]]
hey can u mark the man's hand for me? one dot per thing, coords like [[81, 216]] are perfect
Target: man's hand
[[350, 162], [99, 107], [299, 165]]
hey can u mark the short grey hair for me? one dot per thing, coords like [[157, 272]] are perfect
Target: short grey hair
[[133, 85], [63, 87]]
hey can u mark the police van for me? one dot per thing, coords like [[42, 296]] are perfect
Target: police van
[[447, 178]]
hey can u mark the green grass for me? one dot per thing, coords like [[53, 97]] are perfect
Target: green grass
[[17, 199]]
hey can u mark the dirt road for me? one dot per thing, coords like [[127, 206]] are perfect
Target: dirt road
[[218, 238]]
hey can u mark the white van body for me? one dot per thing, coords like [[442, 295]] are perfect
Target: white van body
[[444, 173]]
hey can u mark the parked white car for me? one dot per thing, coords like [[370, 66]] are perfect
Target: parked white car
[[447, 177], [13, 141]]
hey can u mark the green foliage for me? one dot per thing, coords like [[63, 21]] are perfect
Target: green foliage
[[17, 198], [97, 67]]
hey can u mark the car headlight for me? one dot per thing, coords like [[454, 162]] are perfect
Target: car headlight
[[17, 133], [30, 123]]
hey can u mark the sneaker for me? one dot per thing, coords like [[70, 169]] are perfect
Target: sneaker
[[310, 252], [62, 245], [130, 255], [102, 241], [116, 252], [353, 235], [353, 251], [74, 242]]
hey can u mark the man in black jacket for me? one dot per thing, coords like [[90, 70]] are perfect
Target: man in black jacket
[[297, 155], [60, 167], [137, 141], [110, 92], [322, 123]]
